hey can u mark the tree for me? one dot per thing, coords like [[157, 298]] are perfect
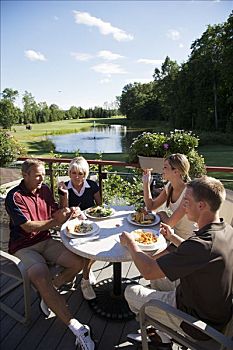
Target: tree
[[10, 94], [8, 114], [165, 81], [30, 108], [56, 113], [43, 113]]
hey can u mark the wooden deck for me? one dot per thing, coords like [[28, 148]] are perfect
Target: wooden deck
[[51, 334]]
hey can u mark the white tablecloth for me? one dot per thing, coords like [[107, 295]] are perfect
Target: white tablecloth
[[107, 246]]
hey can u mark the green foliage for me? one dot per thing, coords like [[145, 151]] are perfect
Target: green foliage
[[8, 114], [123, 191], [196, 95], [10, 149], [197, 164], [162, 145]]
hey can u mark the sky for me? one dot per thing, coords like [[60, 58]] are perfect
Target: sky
[[83, 53]]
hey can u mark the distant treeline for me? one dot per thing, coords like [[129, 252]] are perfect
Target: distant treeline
[[33, 112], [196, 95]]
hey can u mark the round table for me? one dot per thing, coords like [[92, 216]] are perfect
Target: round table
[[109, 301]]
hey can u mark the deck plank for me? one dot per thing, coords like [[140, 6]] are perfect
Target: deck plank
[[51, 334]]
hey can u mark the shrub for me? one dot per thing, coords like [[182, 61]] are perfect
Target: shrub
[[162, 145], [10, 149]]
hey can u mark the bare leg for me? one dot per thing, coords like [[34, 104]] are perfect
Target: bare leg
[[72, 263], [86, 268], [40, 276]]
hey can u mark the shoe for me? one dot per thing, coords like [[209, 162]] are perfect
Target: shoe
[[64, 288], [92, 278], [152, 337], [83, 339], [44, 308], [87, 290], [136, 338]]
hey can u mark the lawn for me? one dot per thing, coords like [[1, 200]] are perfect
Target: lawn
[[35, 140]]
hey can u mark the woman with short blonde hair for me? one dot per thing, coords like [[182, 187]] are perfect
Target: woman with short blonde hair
[[81, 192]]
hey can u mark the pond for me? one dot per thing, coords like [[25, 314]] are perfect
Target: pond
[[99, 139]]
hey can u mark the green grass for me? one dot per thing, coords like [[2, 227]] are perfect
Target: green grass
[[217, 155], [36, 142]]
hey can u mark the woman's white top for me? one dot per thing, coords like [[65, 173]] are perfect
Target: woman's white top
[[184, 227]]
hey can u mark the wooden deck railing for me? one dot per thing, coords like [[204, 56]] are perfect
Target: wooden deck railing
[[101, 163]]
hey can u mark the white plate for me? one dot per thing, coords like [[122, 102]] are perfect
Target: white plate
[[72, 223], [98, 217], [160, 243], [155, 222]]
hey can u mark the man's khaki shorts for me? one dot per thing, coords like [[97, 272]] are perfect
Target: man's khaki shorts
[[47, 251]]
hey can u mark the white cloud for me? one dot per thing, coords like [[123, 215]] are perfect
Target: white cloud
[[105, 28], [138, 80], [108, 55], [108, 68], [81, 56], [34, 55], [181, 45], [173, 34], [105, 81], [150, 61]]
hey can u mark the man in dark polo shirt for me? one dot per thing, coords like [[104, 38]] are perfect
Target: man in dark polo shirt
[[203, 263], [33, 212]]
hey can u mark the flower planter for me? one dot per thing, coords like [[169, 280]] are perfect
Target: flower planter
[[151, 163]]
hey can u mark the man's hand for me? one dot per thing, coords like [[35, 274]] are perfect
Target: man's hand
[[61, 215], [170, 235], [166, 231], [126, 239]]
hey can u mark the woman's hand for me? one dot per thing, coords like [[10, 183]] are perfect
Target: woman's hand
[[76, 212], [62, 186], [146, 177], [163, 216]]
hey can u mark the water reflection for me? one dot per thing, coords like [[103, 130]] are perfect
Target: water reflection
[[99, 139]]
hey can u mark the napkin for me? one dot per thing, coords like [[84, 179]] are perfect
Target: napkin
[[82, 240]]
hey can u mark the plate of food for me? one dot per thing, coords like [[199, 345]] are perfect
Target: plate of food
[[100, 212], [78, 227], [142, 217], [148, 239]]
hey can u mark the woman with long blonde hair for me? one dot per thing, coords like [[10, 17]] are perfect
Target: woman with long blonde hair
[[176, 173]]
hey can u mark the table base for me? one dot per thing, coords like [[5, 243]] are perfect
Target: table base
[[108, 305]]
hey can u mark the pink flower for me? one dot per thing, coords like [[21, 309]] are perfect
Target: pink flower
[[166, 146]]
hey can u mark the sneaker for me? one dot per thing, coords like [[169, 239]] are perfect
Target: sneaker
[[83, 339], [87, 290], [44, 308], [92, 278], [64, 288]]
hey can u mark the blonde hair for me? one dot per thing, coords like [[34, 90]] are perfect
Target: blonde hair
[[208, 189], [80, 164], [180, 162], [30, 163]]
